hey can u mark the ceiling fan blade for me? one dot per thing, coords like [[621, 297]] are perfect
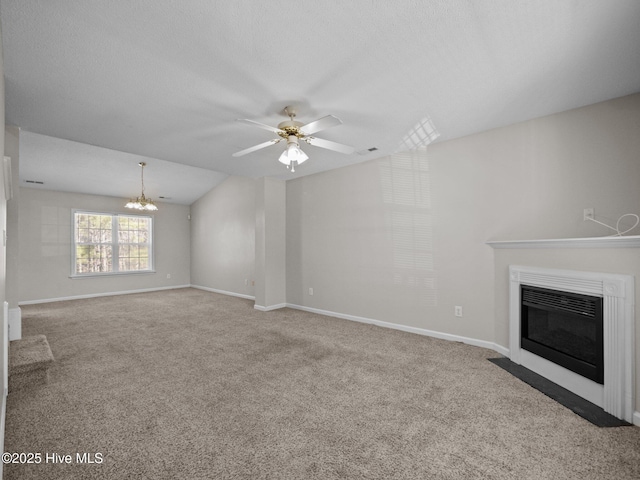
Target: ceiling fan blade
[[256, 147], [258, 124], [337, 147], [320, 124]]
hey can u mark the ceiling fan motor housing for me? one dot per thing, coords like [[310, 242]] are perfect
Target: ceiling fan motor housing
[[289, 128]]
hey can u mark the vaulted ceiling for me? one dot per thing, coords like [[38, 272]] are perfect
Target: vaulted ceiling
[[167, 80]]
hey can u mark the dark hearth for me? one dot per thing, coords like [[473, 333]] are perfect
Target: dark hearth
[[573, 402]]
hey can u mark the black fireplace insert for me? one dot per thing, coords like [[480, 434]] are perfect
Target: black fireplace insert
[[565, 328]]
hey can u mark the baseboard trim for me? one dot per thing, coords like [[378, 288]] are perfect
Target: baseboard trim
[[270, 307], [636, 418], [504, 351], [405, 328], [223, 292], [105, 294], [420, 331]]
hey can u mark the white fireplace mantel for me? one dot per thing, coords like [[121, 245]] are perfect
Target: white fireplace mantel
[[616, 396], [630, 241]]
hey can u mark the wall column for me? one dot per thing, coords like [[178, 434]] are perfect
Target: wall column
[[270, 269]]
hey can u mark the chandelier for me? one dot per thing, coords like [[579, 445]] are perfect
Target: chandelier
[[141, 202]]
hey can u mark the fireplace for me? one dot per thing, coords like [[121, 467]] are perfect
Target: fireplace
[[565, 328], [593, 314]]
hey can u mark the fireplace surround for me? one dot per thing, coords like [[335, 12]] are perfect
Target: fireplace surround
[[616, 294]]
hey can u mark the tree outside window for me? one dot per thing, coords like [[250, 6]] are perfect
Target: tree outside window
[[106, 243]]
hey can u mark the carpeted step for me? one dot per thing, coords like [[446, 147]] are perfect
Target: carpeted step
[[29, 361]]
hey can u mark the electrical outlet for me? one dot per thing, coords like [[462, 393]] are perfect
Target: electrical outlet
[[246, 282], [168, 275], [588, 214], [457, 310], [310, 291]]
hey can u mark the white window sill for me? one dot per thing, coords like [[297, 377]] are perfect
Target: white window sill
[[110, 274]]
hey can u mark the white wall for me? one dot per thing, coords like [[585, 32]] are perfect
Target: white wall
[[45, 230], [223, 226], [402, 239]]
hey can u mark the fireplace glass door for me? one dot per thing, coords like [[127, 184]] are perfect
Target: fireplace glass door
[[565, 328]]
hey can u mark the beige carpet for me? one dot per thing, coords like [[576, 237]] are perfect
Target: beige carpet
[[188, 384]]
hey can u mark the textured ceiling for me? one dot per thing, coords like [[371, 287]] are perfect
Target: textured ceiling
[[167, 80]]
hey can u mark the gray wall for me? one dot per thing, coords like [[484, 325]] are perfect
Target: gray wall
[[45, 230], [3, 223], [402, 239], [223, 231], [238, 240], [12, 150]]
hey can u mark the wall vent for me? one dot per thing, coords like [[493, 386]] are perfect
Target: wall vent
[[367, 150]]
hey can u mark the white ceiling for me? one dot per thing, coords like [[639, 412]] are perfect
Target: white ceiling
[[167, 80]]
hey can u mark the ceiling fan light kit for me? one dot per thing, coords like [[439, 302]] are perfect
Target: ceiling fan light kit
[[293, 154], [293, 131], [141, 202]]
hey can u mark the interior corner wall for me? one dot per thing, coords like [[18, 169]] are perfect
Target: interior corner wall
[[402, 239], [45, 233], [223, 228]]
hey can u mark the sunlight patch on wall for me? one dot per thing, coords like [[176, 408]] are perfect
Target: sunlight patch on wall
[[412, 240], [405, 179], [406, 193]]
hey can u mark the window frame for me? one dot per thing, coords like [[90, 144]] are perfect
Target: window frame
[[115, 245]]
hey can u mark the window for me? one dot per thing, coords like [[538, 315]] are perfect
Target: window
[[106, 243]]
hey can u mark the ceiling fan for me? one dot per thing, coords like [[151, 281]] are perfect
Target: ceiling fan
[[293, 131]]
